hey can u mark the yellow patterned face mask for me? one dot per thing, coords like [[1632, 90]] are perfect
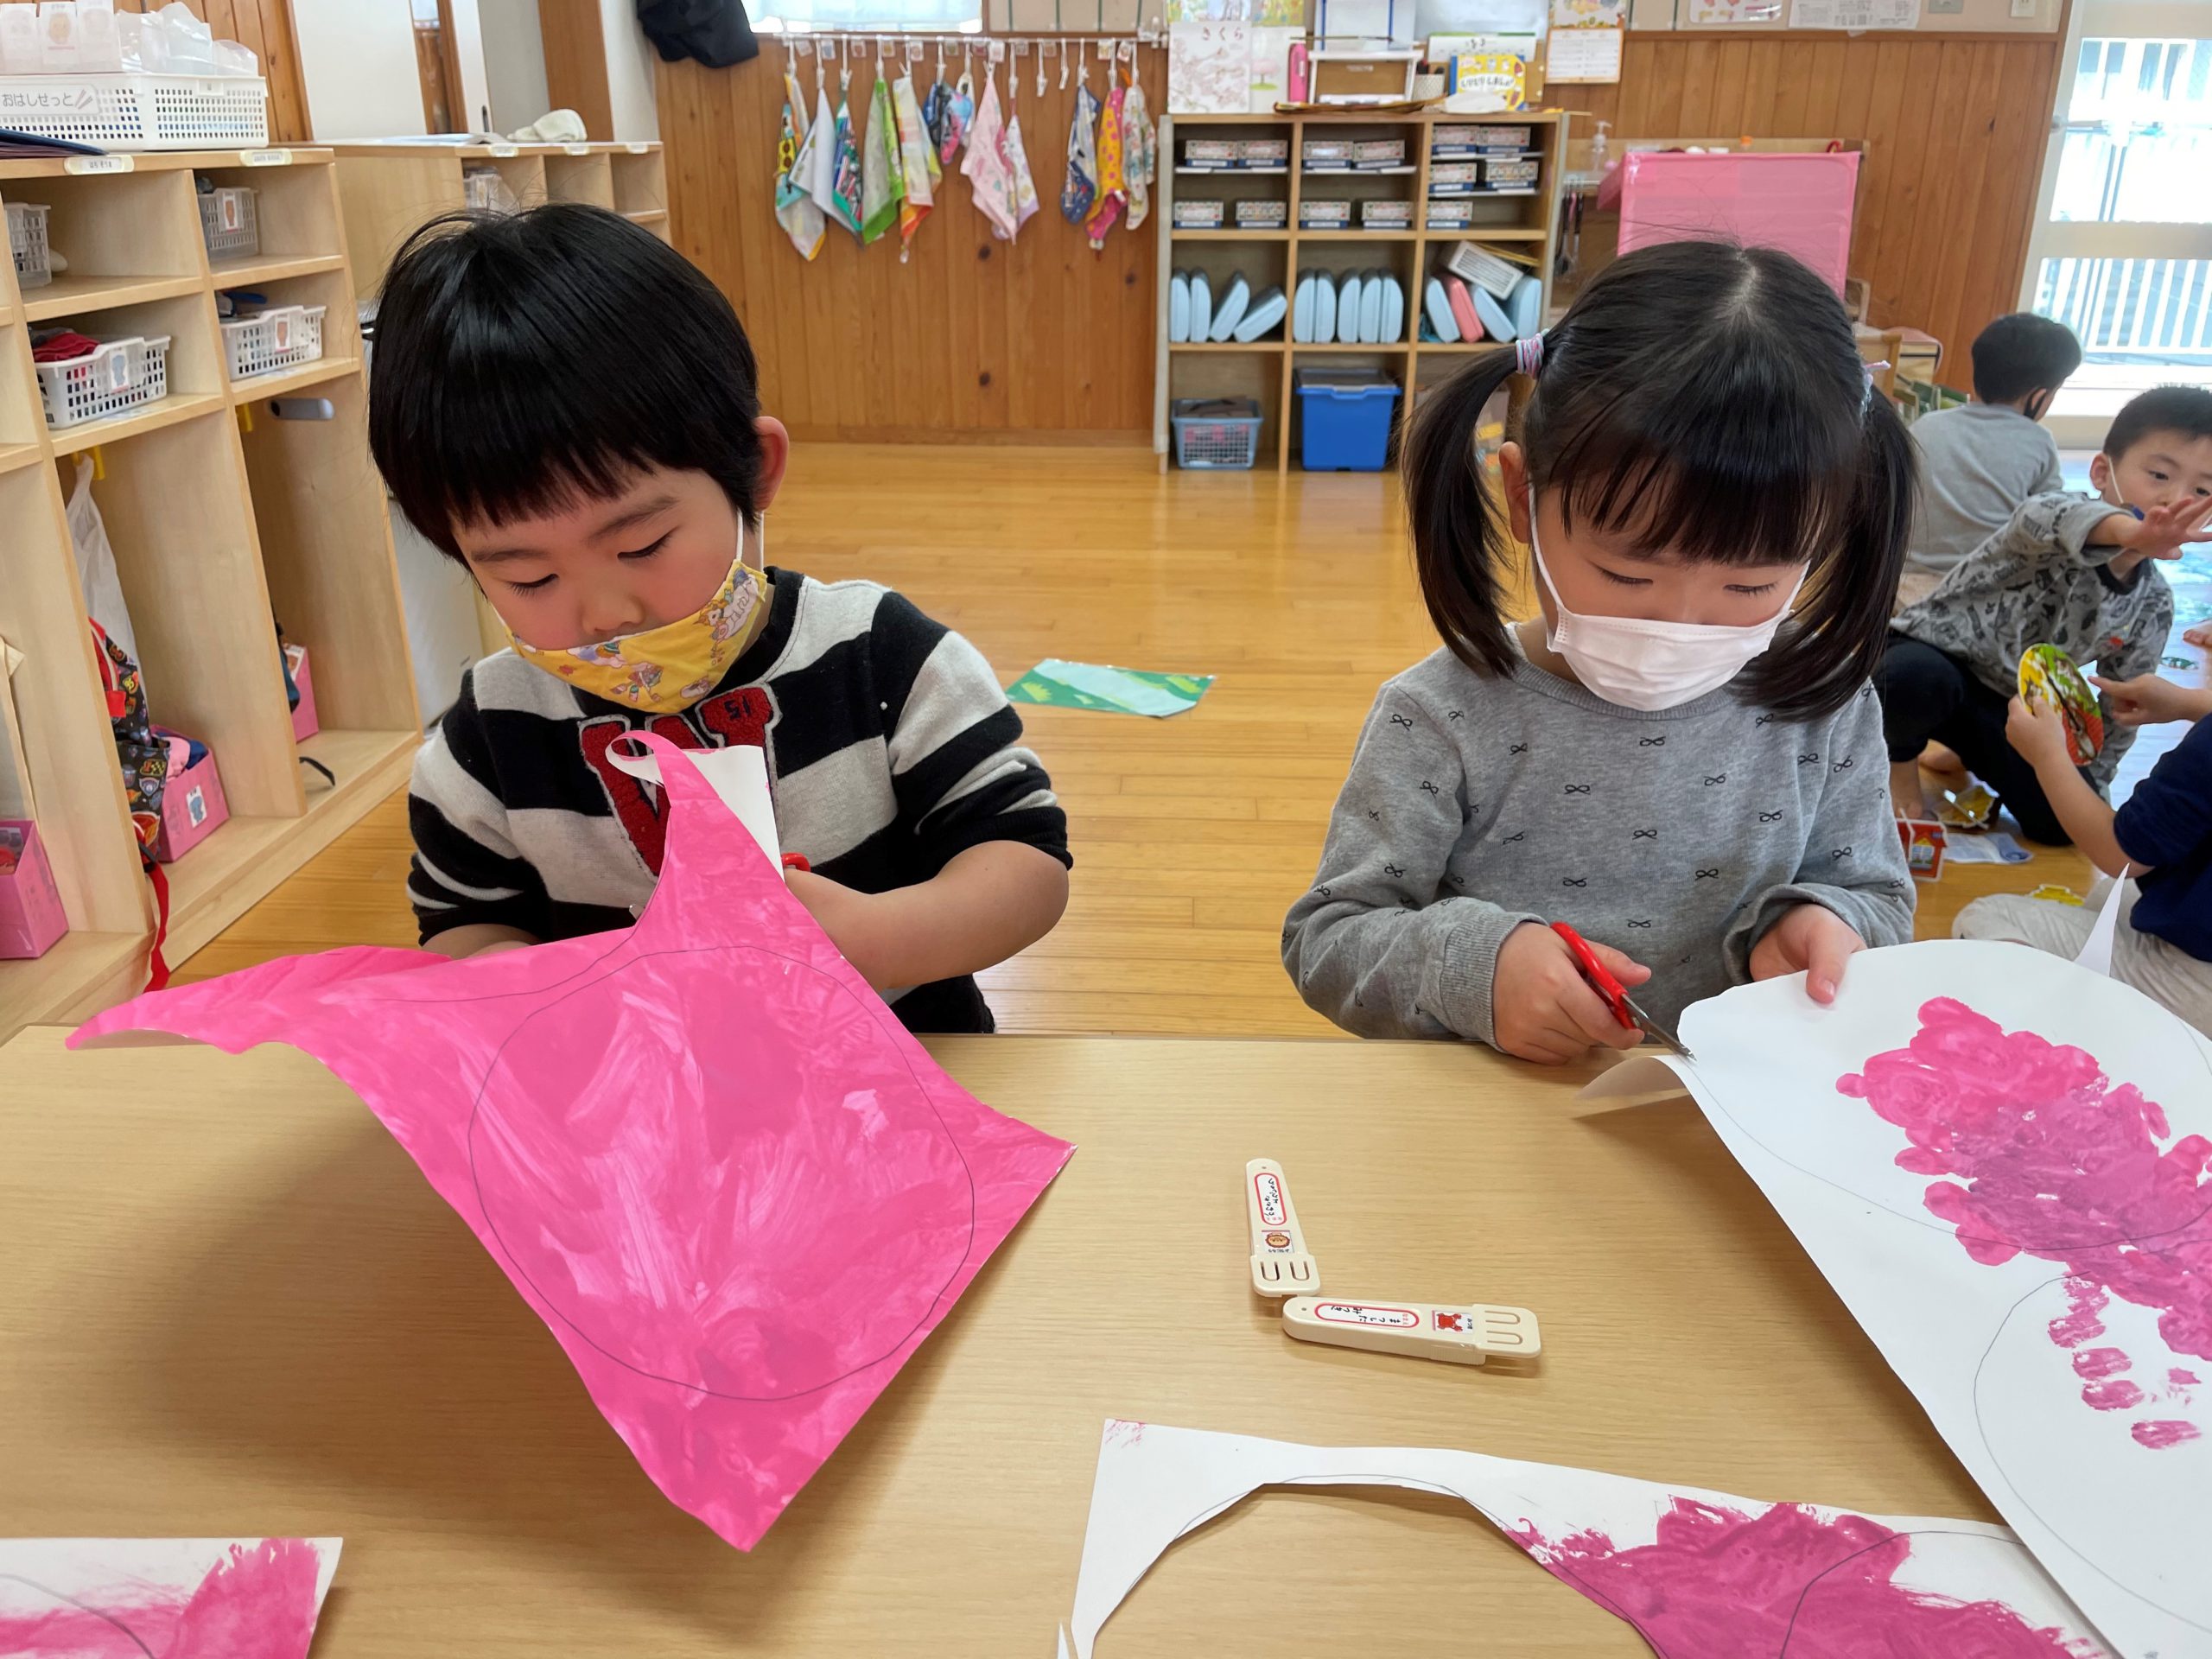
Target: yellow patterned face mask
[[665, 670]]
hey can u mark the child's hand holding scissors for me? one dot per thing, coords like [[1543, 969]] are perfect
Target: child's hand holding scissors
[[1543, 1009]]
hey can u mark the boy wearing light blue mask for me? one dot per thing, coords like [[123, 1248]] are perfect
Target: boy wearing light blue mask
[[1670, 758]]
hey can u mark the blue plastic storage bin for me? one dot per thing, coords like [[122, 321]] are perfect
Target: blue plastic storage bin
[[1346, 417]]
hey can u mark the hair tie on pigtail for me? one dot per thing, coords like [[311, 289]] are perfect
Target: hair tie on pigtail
[[1529, 355]]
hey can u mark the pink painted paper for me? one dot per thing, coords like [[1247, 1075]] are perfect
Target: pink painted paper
[[176, 1598], [1698, 1574], [1799, 204], [709, 1157], [2045, 1157], [1999, 1160]]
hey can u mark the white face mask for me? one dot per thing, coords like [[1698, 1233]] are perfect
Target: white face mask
[[1651, 665]]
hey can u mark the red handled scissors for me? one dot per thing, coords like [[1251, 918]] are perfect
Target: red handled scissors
[[1615, 994]]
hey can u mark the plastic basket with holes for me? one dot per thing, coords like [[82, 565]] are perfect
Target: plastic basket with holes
[[227, 222], [127, 112], [282, 337], [123, 375], [27, 242], [1216, 434]]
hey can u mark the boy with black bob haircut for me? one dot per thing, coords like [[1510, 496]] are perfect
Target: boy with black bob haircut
[[2070, 571], [1979, 462], [567, 406]]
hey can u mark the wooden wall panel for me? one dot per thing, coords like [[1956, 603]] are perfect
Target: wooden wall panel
[[1953, 128], [266, 27], [575, 62], [971, 339]]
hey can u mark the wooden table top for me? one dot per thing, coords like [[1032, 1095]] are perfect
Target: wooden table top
[[233, 1306]]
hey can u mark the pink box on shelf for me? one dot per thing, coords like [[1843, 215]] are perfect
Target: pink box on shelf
[[304, 723], [192, 809], [30, 904], [1800, 204]]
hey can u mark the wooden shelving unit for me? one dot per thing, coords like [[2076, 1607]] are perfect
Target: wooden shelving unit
[[1525, 222], [391, 188], [222, 517]]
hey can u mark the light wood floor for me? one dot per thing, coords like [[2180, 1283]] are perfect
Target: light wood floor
[[1191, 835]]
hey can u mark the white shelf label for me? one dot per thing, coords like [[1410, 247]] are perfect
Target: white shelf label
[[265, 158], [576, 149], [501, 152], [83, 164], [637, 149]]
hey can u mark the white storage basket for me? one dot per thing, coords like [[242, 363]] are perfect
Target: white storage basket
[[228, 223], [27, 242], [127, 112], [282, 337], [123, 375]]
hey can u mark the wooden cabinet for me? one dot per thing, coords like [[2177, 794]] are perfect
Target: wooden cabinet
[[225, 520]]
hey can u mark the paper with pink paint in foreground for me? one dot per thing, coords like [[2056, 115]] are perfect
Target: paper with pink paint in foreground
[[177, 1598], [2002, 1162], [1699, 1574], [738, 1191]]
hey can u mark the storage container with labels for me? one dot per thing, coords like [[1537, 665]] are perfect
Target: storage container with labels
[[1263, 215], [1386, 215], [1192, 213], [1454, 178], [1324, 215], [32, 260], [1516, 174], [1378, 152], [1326, 155]]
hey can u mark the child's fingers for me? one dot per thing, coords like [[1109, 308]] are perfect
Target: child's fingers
[[1830, 950], [1593, 1019], [1622, 966]]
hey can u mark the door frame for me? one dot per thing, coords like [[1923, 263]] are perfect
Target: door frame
[[2122, 19]]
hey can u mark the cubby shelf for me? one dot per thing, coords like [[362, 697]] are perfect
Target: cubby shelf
[[74, 296], [1527, 220], [151, 417], [223, 524], [391, 188]]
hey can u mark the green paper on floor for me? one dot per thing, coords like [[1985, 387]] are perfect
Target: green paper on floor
[[1117, 690]]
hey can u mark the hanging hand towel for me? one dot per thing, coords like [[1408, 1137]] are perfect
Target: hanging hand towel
[[936, 103], [840, 182], [959, 117], [1017, 163], [986, 167], [883, 177], [1113, 179], [795, 208], [918, 163], [1140, 154], [1080, 190]]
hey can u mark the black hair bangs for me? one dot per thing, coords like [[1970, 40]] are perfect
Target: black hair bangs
[[525, 362], [1701, 399], [1721, 465]]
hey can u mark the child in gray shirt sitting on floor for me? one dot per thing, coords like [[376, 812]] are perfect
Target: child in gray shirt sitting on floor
[[1978, 462], [1682, 757]]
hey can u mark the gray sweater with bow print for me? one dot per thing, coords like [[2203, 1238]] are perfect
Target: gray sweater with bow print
[[1476, 804]]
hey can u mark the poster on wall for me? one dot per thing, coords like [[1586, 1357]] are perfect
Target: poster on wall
[[1855, 15], [1589, 14], [1583, 56], [1209, 68], [1712, 14]]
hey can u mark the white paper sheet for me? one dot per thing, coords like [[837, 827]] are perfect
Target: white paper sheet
[[179, 1598], [2065, 1376], [1855, 15], [1576, 55], [739, 775], [1904, 1577]]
